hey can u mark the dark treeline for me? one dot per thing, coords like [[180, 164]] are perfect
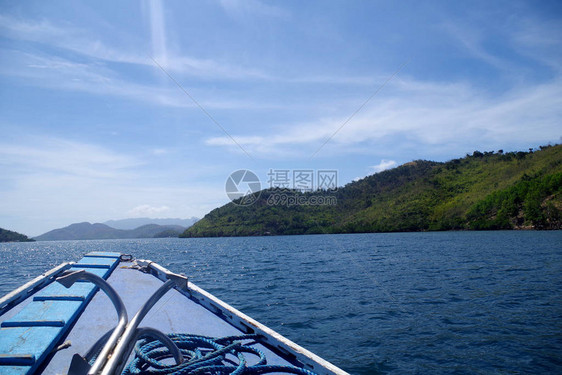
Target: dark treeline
[[9, 236]]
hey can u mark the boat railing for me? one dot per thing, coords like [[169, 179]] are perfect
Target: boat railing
[[79, 364], [13, 298], [125, 346], [119, 342]]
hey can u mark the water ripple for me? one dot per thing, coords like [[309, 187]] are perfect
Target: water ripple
[[464, 303]]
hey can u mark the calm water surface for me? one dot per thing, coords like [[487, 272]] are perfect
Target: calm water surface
[[441, 303]]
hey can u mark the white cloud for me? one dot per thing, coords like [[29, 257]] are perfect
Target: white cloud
[[62, 156], [424, 114], [46, 179], [66, 37], [51, 182], [61, 74], [80, 41], [383, 165], [146, 210]]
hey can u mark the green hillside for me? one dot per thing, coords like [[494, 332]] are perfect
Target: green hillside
[[9, 236], [485, 190]]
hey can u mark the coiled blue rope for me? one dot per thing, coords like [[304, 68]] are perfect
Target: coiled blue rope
[[204, 355]]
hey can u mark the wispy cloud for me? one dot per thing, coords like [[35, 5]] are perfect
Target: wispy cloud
[[58, 73], [535, 40], [80, 41], [240, 8], [158, 31], [540, 41], [67, 37], [280, 77], [66, 157], [425, 114], [94, 74], [145, 210], [62, 74], [471, 40], [51, 182]]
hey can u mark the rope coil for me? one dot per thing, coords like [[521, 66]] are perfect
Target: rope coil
[[205, 355]]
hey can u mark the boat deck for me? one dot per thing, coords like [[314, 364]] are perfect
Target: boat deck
[[172, 314], [193, 312]]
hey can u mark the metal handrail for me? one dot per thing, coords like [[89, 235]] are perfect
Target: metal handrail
[[67, 280], [123, 349]]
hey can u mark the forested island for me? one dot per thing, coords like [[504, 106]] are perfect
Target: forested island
[[9, 236], [482, 191]]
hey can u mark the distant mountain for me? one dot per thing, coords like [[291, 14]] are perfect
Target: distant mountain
[[9, 236], [137, 222], [98, 231], [483, 191], [81, 231]]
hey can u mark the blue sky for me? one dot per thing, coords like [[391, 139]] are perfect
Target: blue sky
[[92, 128]]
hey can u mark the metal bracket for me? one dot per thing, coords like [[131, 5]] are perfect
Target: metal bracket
[[125, 258], [180, 281]]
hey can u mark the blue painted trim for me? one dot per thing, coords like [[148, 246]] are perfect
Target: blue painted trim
[[34, 323], [101, 272], [12, 299], [59, 298], [83, 290], [17, 359], [28, 338], [36, 342], [103, 254], [86, 265], [97, 262]]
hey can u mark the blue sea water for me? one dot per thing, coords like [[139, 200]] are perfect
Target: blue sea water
[[440, 303]]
